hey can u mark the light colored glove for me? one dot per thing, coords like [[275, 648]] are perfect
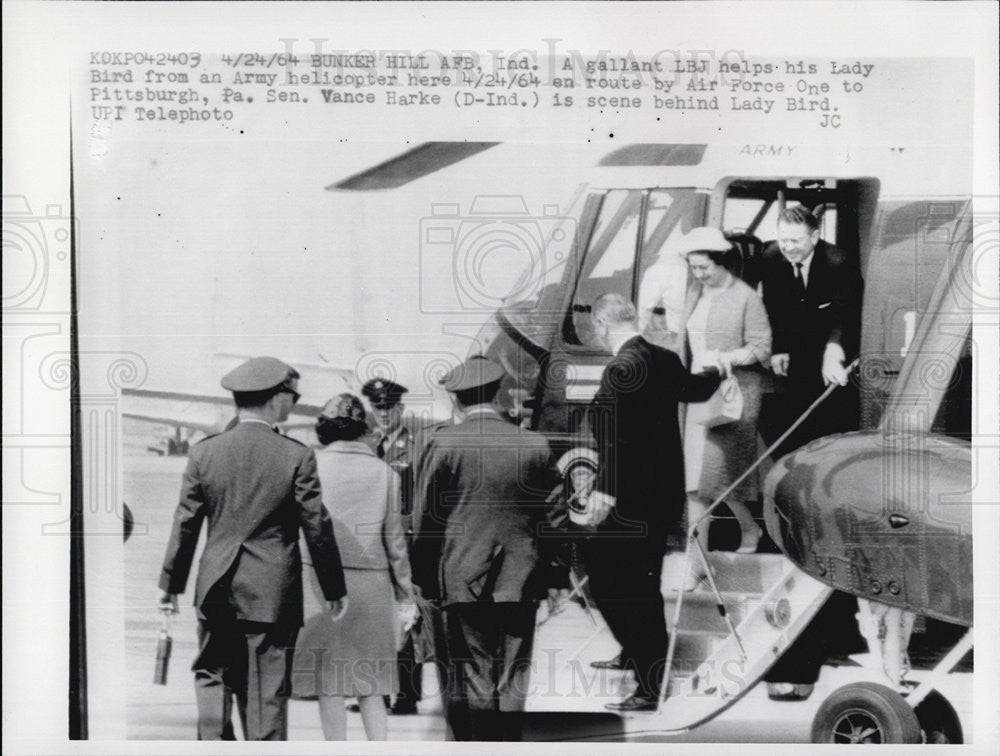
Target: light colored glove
[[337, 608], [599, 506], [168, 603], [833, 365], [726, 364], [407, 614], [779, 364]]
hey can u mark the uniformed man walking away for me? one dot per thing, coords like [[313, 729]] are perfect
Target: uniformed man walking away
[[257, 489], [481, 493]]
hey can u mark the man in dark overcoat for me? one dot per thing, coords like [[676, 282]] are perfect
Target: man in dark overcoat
[[481, 491], [634, 421], [256, 488]]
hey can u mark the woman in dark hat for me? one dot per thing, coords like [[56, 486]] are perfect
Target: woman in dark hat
[[356, 657], [726, 325]]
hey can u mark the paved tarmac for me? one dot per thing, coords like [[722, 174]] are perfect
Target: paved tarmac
[[167, 712]]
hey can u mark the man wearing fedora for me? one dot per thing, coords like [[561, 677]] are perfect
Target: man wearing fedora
[[256, 488], [480, 494]]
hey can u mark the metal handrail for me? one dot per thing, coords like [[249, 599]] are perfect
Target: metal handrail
[[692, 537]]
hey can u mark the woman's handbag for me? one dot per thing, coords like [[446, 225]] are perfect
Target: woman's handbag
[[725, 405]]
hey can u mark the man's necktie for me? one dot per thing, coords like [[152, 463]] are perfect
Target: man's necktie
[[800, 284], [380, 449]]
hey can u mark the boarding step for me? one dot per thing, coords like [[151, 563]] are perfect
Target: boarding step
[[705, 655], [700, 611], [692, 649], [734, 573]]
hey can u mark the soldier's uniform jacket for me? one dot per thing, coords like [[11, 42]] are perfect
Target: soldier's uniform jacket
[[257, 489], [480, 495], [399, 450]]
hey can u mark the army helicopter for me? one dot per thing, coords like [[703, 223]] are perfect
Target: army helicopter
[[881, 514]]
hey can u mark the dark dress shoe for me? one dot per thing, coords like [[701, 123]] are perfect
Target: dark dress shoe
[[635, 702], [616, 663], [403, 707]]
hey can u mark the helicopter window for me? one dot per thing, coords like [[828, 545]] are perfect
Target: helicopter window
[[609, 261], [662, 230], [612, 245], [744, 214], [663, 272], [954, 415]]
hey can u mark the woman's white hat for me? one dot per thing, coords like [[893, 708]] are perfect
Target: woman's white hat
[[703, 239]]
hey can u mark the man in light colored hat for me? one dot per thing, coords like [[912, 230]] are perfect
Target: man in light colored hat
[[256, 488], [481, 490]]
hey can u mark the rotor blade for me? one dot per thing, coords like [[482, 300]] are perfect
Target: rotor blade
[[421, 161]]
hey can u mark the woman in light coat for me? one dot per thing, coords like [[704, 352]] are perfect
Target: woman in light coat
[[356, 657], [725, 325]]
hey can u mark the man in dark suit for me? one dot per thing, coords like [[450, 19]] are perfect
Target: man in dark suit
[[257, 489], [634, 421], [481, 491], [812, 292]]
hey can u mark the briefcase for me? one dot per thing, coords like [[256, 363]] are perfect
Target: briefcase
[[164, 645]]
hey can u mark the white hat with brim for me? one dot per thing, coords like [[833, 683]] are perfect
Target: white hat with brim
[[703, 239]]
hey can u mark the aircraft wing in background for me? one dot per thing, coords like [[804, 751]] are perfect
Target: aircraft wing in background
[[301, 409], [175, 422]]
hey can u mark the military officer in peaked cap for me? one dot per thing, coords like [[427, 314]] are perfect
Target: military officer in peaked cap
[[383, 393], [396, 442], [481, 490], [255, 488]]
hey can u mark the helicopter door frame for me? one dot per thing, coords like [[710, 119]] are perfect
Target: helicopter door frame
[[573, 367]]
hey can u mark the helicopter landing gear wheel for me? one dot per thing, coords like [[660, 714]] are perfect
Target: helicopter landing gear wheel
[[865, 713], [938, 720]]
